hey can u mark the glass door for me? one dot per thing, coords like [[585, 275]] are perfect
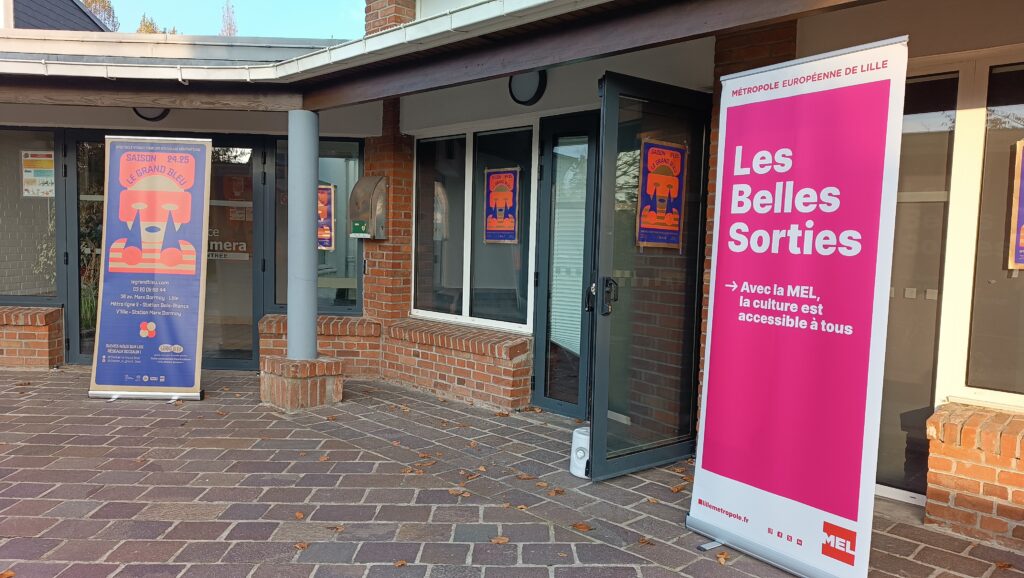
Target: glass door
[[233, 283], [649, 266], [562, 311]]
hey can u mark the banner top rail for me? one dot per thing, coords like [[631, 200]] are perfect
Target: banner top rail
[[807, 59]]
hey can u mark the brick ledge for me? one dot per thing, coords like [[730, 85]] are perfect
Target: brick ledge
[[29, 316], [333, 325], [489, 342]]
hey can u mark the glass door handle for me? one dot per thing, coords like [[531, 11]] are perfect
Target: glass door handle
[[588, 297], [609, 295]]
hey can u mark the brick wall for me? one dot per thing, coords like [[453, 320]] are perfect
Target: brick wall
[[475, 365], [736, 52], [976, 473], [355, 340], [31, 337], [387, 285], [384, 14]]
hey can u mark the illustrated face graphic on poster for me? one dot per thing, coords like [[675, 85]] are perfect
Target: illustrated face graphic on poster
[[152, 284], [501, 206], [325, 217], [808, 166], [659, 214], [1016, 252]]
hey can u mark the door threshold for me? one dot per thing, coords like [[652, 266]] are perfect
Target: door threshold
[[899, 495]]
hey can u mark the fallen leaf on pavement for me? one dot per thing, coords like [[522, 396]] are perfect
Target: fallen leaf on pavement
[[302, 454], [677, 489], [645, 541], [322, 458], [556, 492], [332, 418], [722, 557], [221, 413], [424, 456], [400, 563], [1004, 565], [299, 515], [338, 529], [465, 494], [499, 540], [582, 526], [301, 546], [481, 469], [501, 414], [454, 491], [473, 444], [652, 501], [525, 476], [522, 507], [542, 485], [7, 574]]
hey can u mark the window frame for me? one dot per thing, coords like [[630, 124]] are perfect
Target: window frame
[[270, 302], [468, 131], [964, 210], [59, 297]]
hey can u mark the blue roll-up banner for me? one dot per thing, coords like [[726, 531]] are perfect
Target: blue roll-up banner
[[152, 292]]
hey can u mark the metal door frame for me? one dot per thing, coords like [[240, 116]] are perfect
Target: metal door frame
[[612, 87], [576, 124]]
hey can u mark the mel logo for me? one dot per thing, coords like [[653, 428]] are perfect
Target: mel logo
[[839, 543]]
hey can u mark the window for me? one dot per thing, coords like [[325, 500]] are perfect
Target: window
[[997, 324], [339, 278], [473, 202], [440, 224], [499, 269], [28, 231]]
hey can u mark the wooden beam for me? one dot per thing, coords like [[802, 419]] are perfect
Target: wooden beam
[[88, 92], [629, 29]]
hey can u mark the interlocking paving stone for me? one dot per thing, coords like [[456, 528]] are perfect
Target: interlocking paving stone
[[140, 488]]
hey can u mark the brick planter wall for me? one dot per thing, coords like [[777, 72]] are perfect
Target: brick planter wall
[[469, 364], [976, 473], [31, 337], [356, 340]]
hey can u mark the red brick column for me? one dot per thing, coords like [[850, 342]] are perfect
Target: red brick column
[[736, 52], [976, 473], [384, 14], [31, 337], [387, 285]]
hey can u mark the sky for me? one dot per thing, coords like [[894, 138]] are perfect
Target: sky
[[340, 19]]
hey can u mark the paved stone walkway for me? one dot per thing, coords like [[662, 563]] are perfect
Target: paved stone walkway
[[390, 483]]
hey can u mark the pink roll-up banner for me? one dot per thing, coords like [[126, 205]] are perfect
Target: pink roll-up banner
[[808, 160]]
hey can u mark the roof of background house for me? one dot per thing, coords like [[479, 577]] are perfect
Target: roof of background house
[[55, 15], [214, 58]]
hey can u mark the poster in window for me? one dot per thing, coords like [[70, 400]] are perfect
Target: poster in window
[[37, 177], [501, 203], [1016, 253], [325, 217], [659, 211]]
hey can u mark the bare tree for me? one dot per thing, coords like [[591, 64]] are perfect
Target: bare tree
[[103, 10], [228, 26]]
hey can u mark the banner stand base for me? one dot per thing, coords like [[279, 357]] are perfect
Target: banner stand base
[[112, 395], [752, 549], [707, 547]]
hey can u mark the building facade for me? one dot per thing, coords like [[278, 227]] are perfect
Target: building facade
[[568, 313]]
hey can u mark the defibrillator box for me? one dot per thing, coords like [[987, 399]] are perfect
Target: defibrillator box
[[368, 208]]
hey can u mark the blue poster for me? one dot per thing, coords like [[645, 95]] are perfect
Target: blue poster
[[152, 282]]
